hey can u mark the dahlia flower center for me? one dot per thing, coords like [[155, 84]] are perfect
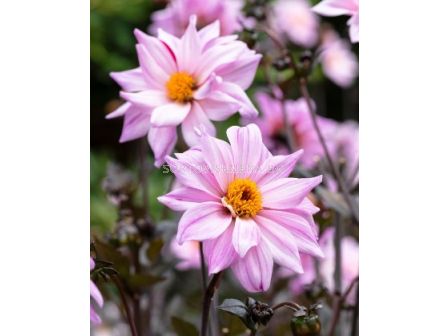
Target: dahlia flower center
[[180, 87], [243, 199]]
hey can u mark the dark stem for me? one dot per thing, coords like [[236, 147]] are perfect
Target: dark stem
[[338, 304], [136, 294], [131, 323], [208, 297], [253, 332], [355, 315], [337, 254], [335, 172], [292, 305], [144, 175], [203, 270]]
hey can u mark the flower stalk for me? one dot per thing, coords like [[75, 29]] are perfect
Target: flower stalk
[[208, 298], [127, 309]]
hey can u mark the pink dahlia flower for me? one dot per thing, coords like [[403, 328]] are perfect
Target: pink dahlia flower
[[342, 7], [175, 17], [188, 253], [272, 125], [184, 81], [295, 19], [96, 296], [338, 62], [239, 201]]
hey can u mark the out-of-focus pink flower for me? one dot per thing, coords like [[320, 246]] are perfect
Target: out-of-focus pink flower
[[96, 296], [188, 253], [272, 126], [349, 261], [239, 201], [184, 81], [338, 62], [349, 269], [342, 7], [175, 17], [295, 19], [345, 144]]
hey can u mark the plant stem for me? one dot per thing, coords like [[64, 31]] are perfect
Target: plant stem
[[208, 297], [292, 305], [144, 175], [335, 172], [131, 323], [355, 315], [203, 270], [338, 304]]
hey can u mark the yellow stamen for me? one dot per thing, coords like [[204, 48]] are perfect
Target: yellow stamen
[[243, 199], [180, 87]]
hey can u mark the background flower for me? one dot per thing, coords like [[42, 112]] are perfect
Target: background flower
[[342, 7], [175, 17], [295, 19], [244, 208], [188, 253], [338, 62]]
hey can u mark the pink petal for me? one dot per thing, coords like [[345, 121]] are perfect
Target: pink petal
[[209, 32], [293, 222], [192, 171], [281, 243], [304, 236], [287, 193], [95, 294], [154, 76], [120, 111], [94, 317], [219, 252], [130, 80], [335, 7], [158, 50], [354, 28], [254, 271], [215, 57], [247, 109], [241, 71], [219, 106], [171, 114], [147, 98], [245, 235], [218, 156], [92, 263], [184, 198], [207, 220], [162, 141], [308, 206], [248, 150], [136, 124], [189, 49], [277, 167], [171, 41], [195, 124]]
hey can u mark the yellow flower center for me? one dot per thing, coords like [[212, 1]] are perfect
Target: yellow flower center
[[180, 87], [243, 199]]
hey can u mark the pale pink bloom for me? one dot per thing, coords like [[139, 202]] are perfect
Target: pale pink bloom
[[338, 62], [342, 7], [186, 81], [96, 296], [188, 253], [175, 17], [272, 125], [345, 144], [349, 261], [295, 19], [239, 201]]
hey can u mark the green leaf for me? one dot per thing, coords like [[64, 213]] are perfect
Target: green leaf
[[183, 328], [234, 307]]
